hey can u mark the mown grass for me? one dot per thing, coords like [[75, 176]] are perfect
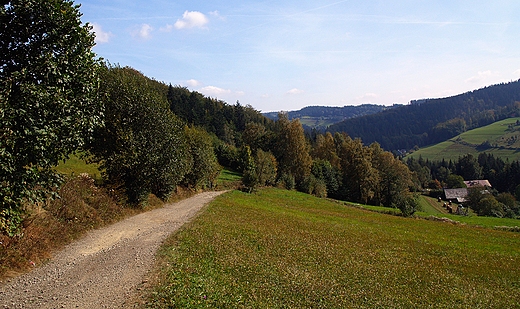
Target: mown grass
[[496, 133], [283, 249]]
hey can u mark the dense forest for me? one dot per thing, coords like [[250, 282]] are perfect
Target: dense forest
[[434, 120], [331, 114]]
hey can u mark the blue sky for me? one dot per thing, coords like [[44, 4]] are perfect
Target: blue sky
[[285, 55]]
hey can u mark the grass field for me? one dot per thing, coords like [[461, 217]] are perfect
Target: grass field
[[284, 249], [75, 166], [507, 143]]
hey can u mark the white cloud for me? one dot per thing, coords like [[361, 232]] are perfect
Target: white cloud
[[143, 31], [295, 91], [265, 95], [167, 28], [101, 36], [216, 14], [191, 20], [366, 98], [240, 93], [214, 91], [193, 83], [482, 76]]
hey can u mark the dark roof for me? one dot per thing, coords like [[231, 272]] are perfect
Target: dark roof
[[474, 183], [456, 194]]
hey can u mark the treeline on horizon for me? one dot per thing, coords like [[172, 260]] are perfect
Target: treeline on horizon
[[434, 120]]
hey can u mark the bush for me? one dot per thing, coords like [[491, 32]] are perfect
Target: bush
[[205, 169], [287, 181], [142, 147], [407, 203]]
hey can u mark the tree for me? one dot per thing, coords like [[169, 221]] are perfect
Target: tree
[[359, 176], [266, 168], [395, 178], [292, 150], [142, 146], [48, 81], [455, 181], [205, 169]]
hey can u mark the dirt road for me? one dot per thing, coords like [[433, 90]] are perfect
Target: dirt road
[[105, 268]]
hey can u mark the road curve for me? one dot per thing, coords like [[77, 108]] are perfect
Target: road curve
[[105, 268]]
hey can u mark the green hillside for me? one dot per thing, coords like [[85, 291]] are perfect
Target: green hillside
[[284, 249], [323, 116], [502, 139]]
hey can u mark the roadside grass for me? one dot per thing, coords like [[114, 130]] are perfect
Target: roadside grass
[[82, 206], [284, 249]]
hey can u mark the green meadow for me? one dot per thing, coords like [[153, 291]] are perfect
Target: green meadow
[[505, 143], [284, 249]]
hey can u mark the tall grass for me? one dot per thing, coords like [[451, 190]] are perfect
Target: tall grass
[[283, 249]]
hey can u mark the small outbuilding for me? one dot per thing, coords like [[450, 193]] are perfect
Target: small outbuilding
[[456, 195]]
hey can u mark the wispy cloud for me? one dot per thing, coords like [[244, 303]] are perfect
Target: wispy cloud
[[482, 76], [193, 83], [295, 91], [167, 28], [101, 36], [143, 31], [214, 91], [366, 98], [191, 20]]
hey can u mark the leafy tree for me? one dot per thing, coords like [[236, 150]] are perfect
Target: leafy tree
[[266, 167], [142, 146], [48, 81], [250, 178], [292, 150], [395, 178], [254, 136], [455, 181], [407, 203], [205, 169], [359, 176], [325, 149]]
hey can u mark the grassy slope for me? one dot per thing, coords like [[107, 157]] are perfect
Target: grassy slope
[[282, 249], [494, 133], [75, 166]]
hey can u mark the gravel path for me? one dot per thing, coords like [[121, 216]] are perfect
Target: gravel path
[[105, 268]]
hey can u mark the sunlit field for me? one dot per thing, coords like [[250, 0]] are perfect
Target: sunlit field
[[284, 249]]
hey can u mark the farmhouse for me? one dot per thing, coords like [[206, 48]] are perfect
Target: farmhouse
[[459, 195], [477, 183], [456, 195]]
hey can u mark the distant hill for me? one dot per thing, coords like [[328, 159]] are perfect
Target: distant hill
[[501, 139], [323, 116], [431, 121]]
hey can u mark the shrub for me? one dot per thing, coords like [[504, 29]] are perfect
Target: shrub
[[205, 169], [407, 203], [287, 181]]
